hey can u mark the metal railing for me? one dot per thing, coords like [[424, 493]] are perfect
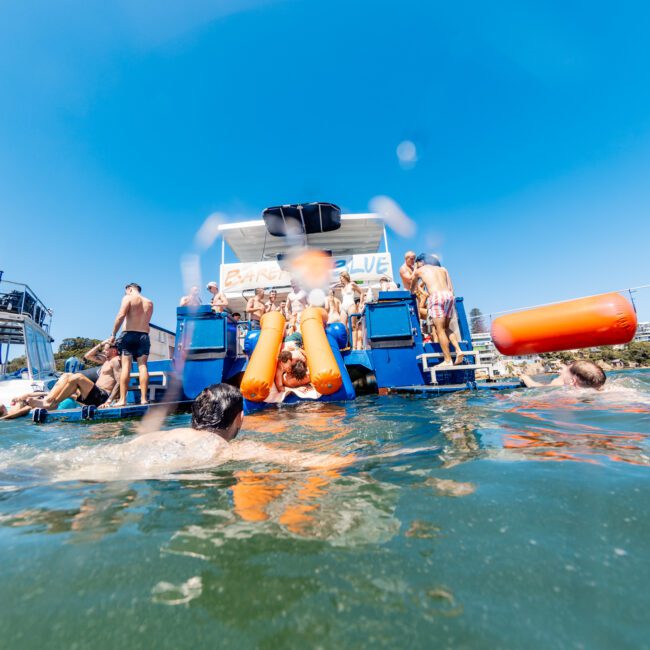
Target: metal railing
[[18, 298]]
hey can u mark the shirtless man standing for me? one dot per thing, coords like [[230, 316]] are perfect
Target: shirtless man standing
[[272, 304], [407, 269], [255, 309], [135, 312], [296, 304], [219, 300], [441, 304], [100, 393], [192, 299]]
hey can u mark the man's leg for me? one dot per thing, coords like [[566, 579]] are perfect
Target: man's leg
[[74, 383], [453, 339], [143, 373], [443, 339], [58, 387], [125, 377]]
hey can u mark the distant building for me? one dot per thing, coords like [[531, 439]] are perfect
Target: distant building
[[487, 352], [162, 343], [643, 332]]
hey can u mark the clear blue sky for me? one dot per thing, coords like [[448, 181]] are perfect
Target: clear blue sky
[[124, 124]]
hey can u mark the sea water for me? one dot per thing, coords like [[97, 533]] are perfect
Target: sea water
[[476, 520]]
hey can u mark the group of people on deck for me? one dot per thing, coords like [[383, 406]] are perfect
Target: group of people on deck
[[109, 385]]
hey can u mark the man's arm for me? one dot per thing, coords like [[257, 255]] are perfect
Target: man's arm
[[92, 355], [247, 450], [414, 278], [121, 315]]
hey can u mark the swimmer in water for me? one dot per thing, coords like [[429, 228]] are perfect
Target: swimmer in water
[[579, 374], [217, 417]]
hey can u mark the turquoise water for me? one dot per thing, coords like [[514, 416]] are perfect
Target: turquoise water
[[513, 520]]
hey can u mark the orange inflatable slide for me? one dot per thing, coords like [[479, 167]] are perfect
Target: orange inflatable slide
[[323, 369], [606, 319], [260, 373]]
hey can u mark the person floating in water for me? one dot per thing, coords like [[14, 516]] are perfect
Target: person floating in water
[[440, 304], [75, 385], [135, 312], [579, 374], [217, 418]]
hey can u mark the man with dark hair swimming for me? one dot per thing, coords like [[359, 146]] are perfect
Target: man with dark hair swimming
[[217, 417], [579, 374]]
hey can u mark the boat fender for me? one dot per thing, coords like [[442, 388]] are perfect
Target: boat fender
[[338, 332], [606, 319], [250, 341]]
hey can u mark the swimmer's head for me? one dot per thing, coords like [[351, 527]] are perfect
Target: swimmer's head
[[219, 409], [3, 410], [583, 374], [132, 287], [427, 259]]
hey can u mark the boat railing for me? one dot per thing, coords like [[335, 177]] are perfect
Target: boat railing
[[18, 298]]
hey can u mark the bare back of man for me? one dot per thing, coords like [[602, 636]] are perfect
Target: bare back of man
[[440, 305], [135, 314]]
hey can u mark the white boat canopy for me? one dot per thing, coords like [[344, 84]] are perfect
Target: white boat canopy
[[250, 241]]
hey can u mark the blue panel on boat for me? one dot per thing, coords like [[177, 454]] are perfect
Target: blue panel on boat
[[388, 321], [393, 295]]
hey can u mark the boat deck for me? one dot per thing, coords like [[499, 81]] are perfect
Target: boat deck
[[90, 413], [441, 389]]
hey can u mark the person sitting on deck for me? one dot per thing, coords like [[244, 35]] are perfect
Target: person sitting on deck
[[192, 299], [440, 304], [100, 393], [219, 301], [255, 308], [579, 374]]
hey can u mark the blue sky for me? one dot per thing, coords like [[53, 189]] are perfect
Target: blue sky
[[123, 125]]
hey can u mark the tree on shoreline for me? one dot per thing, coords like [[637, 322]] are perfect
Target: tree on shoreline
[[476, 321]]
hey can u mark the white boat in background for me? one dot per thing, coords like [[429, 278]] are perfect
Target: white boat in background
[[24, 330]]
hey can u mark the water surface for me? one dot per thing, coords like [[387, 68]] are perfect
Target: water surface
[[513, 520]]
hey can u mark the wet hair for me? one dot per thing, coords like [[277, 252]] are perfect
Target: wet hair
[[133, 285], [588, 374], [216, 407], [285, 356], [299, 370]]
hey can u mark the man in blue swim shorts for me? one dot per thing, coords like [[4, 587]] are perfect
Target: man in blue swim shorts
[[135, 313]]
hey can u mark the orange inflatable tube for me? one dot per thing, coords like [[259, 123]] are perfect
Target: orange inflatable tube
[[607, 319], [260, 372], [323, 369]]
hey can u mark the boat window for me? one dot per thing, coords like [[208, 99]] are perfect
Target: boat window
[[38, 348]]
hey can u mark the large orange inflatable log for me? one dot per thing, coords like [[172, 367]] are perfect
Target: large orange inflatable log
[[607, 319], [323, 369], [260, 372]]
